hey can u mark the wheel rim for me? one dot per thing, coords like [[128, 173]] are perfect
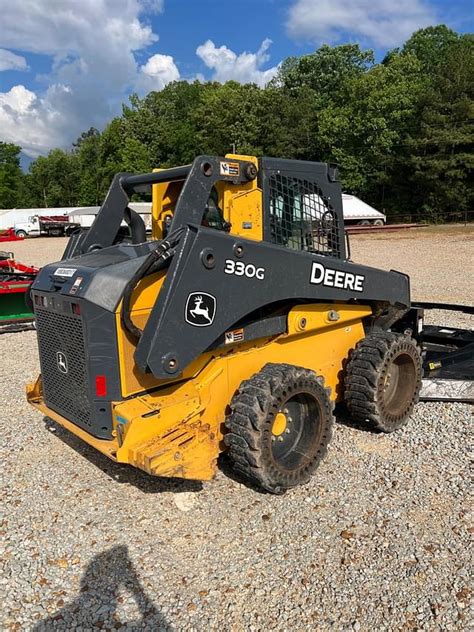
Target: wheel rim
[[295, 431], [399, 384]]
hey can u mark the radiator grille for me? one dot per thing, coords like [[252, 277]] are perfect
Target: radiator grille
[[300, 216], [64, 392]]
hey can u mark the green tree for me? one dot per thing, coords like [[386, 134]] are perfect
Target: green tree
[[229, 115], [289, 123], [327, 71], [87, 151], [110, 154], [54, 180], [430, 46], [400, 131], [163, 123], [11, 175], [440, 154], [364, 133], [135, 156]]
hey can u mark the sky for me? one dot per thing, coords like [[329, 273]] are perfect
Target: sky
[[67, 65]]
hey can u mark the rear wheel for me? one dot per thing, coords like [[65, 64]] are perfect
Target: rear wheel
[[279, 427], [383, 380], [378, 222]]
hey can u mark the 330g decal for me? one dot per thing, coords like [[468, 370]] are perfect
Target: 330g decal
[[239, 268]]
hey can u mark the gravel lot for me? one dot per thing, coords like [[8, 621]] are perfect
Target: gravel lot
[[378, 540]]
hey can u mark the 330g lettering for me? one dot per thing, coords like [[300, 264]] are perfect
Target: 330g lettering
[[239, 268]]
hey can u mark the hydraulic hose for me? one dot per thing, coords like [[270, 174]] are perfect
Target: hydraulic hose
[[155, 261]]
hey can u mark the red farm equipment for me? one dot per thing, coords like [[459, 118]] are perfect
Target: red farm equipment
[[16, 310], [8, 234]]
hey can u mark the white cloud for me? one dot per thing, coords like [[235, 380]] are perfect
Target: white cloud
[[245, 68], [92, 44], [36, 124], [379, 22], [158, 71], [10, 61]]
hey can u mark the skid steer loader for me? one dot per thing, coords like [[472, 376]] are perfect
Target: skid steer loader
[[236, 328]]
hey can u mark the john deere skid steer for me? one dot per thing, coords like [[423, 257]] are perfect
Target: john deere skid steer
[[236, 328]]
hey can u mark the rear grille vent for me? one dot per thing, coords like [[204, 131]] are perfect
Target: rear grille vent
[[63, 365]]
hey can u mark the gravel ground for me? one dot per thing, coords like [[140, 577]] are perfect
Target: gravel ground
[[378, 540]]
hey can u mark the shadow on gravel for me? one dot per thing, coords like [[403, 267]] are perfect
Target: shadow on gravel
[[105, 580], [343, 417], [225, 465], [119, 472]]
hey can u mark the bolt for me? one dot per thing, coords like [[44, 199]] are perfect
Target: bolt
[[273, 438], [287, 431], [172, 364], [289, 420], [286, 411], [280, 438]]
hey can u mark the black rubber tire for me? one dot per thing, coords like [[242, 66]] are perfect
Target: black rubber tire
[[367, 379], [250, 422], [21, 233]]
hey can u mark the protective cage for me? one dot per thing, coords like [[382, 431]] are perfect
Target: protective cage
[[302, 210]]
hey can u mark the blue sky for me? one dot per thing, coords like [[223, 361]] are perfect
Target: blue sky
[[68, 64]]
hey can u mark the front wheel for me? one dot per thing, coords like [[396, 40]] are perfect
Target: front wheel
[[383, 380], [280, 426], [21, 233]]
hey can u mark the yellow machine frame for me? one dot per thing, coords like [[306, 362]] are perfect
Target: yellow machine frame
[[175, 428]]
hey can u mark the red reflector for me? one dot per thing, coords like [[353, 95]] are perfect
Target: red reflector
[[100, 386], [76, 309]]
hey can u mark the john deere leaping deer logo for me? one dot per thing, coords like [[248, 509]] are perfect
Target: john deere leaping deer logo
[[200, 309], [61, 361]]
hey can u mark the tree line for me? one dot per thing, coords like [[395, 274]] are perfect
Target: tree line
[[399, 130]]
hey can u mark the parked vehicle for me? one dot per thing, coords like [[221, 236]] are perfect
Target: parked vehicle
[[355, 211], [48, 225]]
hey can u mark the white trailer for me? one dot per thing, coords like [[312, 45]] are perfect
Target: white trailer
[[85, 215], [11, 216], [356, 211]]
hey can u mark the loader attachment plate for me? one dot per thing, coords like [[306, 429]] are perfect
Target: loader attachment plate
[[448, 358]]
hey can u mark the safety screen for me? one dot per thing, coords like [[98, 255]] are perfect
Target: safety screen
[[300, 217]]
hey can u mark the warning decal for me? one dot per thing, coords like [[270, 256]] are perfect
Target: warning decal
[[237, 335], [65, 272], [75, 285], [230, 169]]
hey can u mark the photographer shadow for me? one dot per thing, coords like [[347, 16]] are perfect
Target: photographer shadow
[[98, 602]]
